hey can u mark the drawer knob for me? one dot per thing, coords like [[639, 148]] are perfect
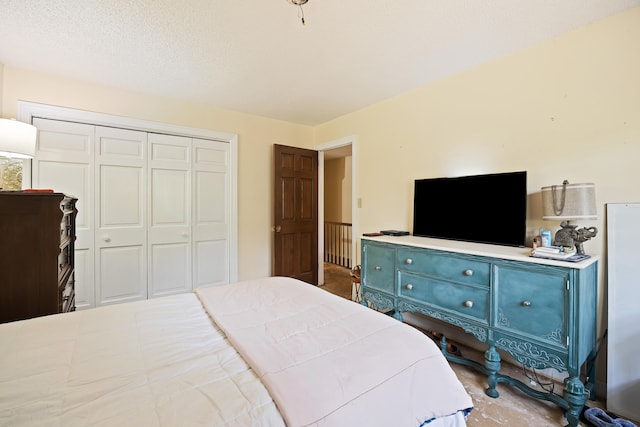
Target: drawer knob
[[468, 303], [468, 272], [378, 268], [106, 238], [526, 303], [409, 286], [408, 261]]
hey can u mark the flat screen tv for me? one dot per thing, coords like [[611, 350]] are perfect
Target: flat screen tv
[[489, 208]]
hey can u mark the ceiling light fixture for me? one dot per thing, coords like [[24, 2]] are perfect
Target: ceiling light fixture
[[299, 3]]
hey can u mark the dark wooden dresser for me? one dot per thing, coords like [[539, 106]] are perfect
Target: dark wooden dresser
[[37, 236]]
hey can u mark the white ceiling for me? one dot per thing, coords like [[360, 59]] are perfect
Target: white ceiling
[[255, 56]]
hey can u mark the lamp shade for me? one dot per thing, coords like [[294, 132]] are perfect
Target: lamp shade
[[17, 139], [569, 202]]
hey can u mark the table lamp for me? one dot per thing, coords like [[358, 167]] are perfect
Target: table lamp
[[569, 202], [17, 141]]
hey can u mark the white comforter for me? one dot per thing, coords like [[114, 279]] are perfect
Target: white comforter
[[160, 362], [325, 361], [330, 362]]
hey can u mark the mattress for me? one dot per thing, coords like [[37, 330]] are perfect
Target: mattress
[[168, 362]]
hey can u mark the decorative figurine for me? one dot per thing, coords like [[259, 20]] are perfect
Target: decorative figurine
[[568, 236]]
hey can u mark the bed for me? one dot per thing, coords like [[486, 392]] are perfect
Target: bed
[[268, 352]]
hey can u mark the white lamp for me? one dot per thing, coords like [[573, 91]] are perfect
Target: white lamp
[[17, 139], [17, 142], [568, 202]]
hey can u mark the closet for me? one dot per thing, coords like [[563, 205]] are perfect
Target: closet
[[156, 209]]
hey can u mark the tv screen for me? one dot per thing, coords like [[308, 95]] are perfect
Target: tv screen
[[489, 208]]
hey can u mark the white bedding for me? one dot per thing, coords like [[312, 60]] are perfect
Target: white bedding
[[164, 362], [160, 362], [327, 361]]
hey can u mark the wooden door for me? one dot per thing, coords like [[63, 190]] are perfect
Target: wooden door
[[295, 229]]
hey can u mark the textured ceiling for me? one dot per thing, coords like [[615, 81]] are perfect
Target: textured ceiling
[[255, 56]]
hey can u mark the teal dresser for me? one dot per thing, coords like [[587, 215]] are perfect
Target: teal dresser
[[541, 312]]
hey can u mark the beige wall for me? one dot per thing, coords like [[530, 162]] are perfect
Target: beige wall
[[256, 136], [337, 189], [568, 108]]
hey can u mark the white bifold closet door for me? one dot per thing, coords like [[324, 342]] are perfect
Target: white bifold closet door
[[121, 215], [211, 172], [153, 215], [169, 201], [63, 163]]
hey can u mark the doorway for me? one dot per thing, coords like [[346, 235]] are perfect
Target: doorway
[[343, 151]]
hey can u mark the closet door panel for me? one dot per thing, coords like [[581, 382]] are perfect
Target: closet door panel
[[64, 163], [72, 179], [121, 266], [211, 217], [170, 268], [83, 275], [122, 204], [169, 201], [211, 267], [121, 277], [64, 141]]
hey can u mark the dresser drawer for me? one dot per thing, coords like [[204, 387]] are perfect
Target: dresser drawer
[[533, 303], [378, 269], [462, 299], [448, 267]]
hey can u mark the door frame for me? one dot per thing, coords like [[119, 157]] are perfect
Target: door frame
[[28, 110], [321, 148]]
